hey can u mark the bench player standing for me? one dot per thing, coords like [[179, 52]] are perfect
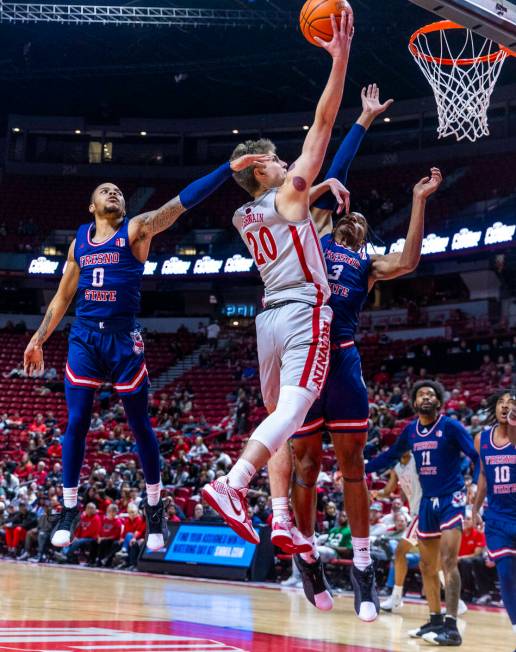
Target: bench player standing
[[293, 331], [105, 264], [497, 481], [436, 441]]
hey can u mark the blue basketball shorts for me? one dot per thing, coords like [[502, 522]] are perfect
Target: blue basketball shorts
[[343, 406], [110, 351], [441, 513], [500, 537]]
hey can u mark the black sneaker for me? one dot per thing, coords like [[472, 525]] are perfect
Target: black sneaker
[[446, 635], [65, 526], [436, 623], [156, 525], [364, 586], [313, 578]]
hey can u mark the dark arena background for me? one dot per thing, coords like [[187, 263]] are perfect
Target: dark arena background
[[151, 96]]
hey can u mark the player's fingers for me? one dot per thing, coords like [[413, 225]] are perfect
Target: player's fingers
[[347, 202], [333, 24], [323, 44], [351, 25], [387, 103], [363, 94]]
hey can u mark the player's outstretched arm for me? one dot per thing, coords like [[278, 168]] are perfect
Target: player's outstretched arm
[[389, 457], [144, 227], [511, 424], [33, 362], [324, 204], [391, 266], [293, 196]]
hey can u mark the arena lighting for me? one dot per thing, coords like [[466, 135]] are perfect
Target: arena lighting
[[386, 119], [207, 265], [143, 133], [175, 266], [235, 131], [78, 131], [26, 12], [306, 127], [465, 239], [374, 250], [397, 247], [16, 130]]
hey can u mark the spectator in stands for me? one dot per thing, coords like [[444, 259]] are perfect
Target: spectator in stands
[[213, 332], [376, 527], [85, 536], [25, 468], [397, 507], [337, 543], [17, 526], [198, 449], [109, 537], [406, 410], [16, 372], [198, 512], [133, 536], [330, 516], [96, 423], [261, 512]]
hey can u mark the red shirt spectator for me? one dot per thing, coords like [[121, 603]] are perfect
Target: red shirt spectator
[[471, 540], [111, 528], [103, 504], [89, 525], [55, 449], [134, 524]]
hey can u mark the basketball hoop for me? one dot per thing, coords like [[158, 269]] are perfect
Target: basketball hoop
[[462, 83]]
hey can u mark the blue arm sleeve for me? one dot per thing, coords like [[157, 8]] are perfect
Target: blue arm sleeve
[[388, 458], [199, 190], [341, 163], [467, 446]]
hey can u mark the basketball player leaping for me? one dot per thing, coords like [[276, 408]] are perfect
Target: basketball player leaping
[[497, 449], [105, 264], [437, 442], [293, 331]]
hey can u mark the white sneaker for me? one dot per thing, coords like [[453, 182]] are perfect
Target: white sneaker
[[290, 581], [231, 504], [462, 608], [391, 604]]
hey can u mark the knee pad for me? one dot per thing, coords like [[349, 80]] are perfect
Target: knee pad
[[289, 415]]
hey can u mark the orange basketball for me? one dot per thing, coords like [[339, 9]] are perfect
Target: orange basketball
[[315, 18]]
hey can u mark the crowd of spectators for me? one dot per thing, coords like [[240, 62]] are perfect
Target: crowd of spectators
[[193, 451]]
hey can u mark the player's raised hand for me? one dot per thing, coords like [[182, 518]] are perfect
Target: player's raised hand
[[371, 101], [343, 31], [243, 162], [33, 363], [428, 185], [341, 194]]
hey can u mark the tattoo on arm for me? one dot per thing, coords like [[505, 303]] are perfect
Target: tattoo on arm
[[43, 329], [164, 217]]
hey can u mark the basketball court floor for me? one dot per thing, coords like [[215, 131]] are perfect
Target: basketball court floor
[[62, 609]]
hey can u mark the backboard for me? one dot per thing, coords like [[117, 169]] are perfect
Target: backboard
[[493, 19]]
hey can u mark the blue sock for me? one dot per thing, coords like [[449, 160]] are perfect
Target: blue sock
[[137, 411], [80, 404], [506, 568], [341, 163]]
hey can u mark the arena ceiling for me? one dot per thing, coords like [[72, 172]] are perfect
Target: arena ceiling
[[105, 72]]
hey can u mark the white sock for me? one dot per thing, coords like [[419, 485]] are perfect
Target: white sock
[[397, 592], [289, 415], [514, 628], [361, 554], [153, 493], [70, 496], [280, 508], [313, 555], [441, 578], [241, 474]]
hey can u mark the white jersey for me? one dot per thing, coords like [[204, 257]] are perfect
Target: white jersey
[[409, 483], [288, 255]]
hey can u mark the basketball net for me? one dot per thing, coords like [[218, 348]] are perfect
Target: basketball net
[[462, 76]]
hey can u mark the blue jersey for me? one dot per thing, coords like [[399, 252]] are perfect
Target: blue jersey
[[437, 451], [348, 275], [110, 275], [499, 464]]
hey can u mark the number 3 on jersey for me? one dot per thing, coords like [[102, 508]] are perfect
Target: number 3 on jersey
[[264, 248], [97, 277]]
